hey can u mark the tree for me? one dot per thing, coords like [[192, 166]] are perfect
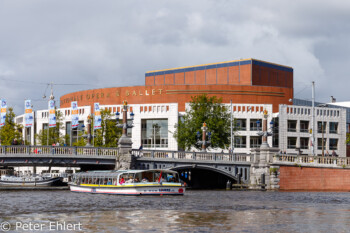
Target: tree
[[54, 133], [109, 133], [213, 113], [10, 130]]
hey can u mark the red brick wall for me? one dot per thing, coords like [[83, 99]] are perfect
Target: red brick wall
[[179, 94], [314, 179]]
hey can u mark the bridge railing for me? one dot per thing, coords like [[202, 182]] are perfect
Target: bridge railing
[[312, 160], [182, 155], [58, 150]]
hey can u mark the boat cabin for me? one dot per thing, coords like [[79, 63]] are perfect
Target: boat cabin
[[118, 178]]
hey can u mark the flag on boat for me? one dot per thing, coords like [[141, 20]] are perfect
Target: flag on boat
[[52, 114], [28, 111], [3, 112], [75, 117], [97, 118]]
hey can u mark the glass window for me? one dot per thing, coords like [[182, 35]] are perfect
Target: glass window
[[254, 124], [154, 133], [255, 142], [319, 143], [304, 143], [321, 128], [292, 143], [333, 127], [304, 126], [240, 141], [292, 126], [333, 144], [76, 132], [241, 124]]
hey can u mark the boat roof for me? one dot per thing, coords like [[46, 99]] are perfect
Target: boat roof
[[117, 172]]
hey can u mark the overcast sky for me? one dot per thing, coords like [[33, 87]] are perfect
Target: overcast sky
[[113, 43]]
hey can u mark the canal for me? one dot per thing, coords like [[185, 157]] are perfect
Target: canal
[[196, 211]]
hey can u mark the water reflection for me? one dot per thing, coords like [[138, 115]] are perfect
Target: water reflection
[[197, 211]]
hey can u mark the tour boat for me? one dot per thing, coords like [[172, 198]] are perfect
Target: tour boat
[[30, 181], [128, 182]]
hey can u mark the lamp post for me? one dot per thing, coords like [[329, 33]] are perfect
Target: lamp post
[[204, 142], [124, 139], [265, 133]]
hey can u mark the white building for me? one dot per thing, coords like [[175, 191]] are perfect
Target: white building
[[154, 125]]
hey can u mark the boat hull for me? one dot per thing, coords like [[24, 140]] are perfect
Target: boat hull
[[133, 190], [57, 181]]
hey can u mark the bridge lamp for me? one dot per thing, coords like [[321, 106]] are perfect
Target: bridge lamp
[[132, 116], [209, 135], [258, 123]]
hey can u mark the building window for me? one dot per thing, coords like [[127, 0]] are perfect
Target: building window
[[292, 143], [241, 124], [304, 143], [254, 124], [319, 143], [333, 144], [304, 126], [76, 133], [255, 142], [240, 141], [321, 128], [333, 127], [154, 133], [292, 126]]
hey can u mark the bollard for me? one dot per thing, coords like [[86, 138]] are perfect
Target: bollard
[[228, 185]]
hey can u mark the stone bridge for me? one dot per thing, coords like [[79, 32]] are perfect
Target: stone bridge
[[232, 166], [235, 167]]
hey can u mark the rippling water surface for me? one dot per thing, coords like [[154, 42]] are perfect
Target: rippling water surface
[[196, 211]]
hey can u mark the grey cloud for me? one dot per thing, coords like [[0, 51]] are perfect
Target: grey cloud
[[113, 43]]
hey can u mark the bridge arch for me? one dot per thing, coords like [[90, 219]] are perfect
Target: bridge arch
[[204, 177]]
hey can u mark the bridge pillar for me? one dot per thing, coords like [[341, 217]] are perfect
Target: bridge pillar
[[263, 157], [124, 160]]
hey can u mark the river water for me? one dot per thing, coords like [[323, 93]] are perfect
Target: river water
[[196, 211]]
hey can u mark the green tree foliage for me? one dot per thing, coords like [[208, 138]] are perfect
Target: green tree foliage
[[54, 133], [108, 135], [209, 110], [10, 130]]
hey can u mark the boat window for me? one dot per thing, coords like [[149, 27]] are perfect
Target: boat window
[[105, 180], [146, 176]]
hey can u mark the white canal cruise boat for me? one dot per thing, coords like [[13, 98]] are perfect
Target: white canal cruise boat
[[128, 182]]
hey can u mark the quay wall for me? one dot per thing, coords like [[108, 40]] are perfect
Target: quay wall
[[293, 178]]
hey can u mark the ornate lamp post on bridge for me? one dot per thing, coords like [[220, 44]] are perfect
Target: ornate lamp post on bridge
[[124, 143], [204, 142], [265, 133]]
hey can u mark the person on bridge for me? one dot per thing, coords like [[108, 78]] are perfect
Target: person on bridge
[[334, 154]]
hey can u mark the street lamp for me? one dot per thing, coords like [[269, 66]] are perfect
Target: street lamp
[[204, 142], [125, 125], [265, 133]]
